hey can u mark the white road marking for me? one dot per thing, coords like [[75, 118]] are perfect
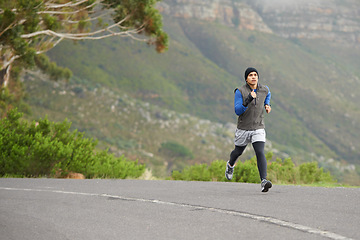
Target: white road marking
[[272, 220]]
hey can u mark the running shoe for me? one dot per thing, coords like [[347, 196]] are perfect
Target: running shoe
[[265, 185], [229, 171]]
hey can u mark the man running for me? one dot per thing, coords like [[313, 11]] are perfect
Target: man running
[[250, 101]]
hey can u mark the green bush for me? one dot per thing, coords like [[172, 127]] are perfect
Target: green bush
[[217, 170], [247, 171], [282, 171], [310, 173], [176, 155], [201, 172], [47, 148], [175, 150], [244, 172], [279, 171], [197, 172]]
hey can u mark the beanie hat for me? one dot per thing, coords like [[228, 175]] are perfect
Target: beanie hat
[[250, 70]]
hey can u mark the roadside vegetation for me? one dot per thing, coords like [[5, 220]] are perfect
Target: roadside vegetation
[[47, 149], [44, 148], [279, 172]]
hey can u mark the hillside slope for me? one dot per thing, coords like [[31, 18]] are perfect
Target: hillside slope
[[314, 84]]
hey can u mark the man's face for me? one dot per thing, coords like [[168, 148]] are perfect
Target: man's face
[[252, 79]]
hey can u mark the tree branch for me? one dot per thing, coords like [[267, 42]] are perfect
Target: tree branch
[[8, 27], [86, 20], [68, 4], [83, 35], [50, 47], [12, 59], [66, 13]]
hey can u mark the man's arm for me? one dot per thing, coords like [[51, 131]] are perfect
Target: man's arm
[[238, 103], [267, 101]]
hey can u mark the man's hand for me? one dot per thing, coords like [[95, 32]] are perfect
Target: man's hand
[[267, 108], [253, 93]]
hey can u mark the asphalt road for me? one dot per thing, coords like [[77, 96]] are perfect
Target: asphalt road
[[139, 209]]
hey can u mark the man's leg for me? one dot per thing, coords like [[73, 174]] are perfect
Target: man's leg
[[238, 150], [231, 163], [262, 165], [260, 157]]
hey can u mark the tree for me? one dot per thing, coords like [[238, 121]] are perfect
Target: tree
[[29, 28], [176, 154]]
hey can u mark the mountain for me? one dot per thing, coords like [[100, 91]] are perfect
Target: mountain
[[318, 19], [307, 52]]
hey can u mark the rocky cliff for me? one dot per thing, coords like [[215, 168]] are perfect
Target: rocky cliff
[[332, 20], [229, 12]]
